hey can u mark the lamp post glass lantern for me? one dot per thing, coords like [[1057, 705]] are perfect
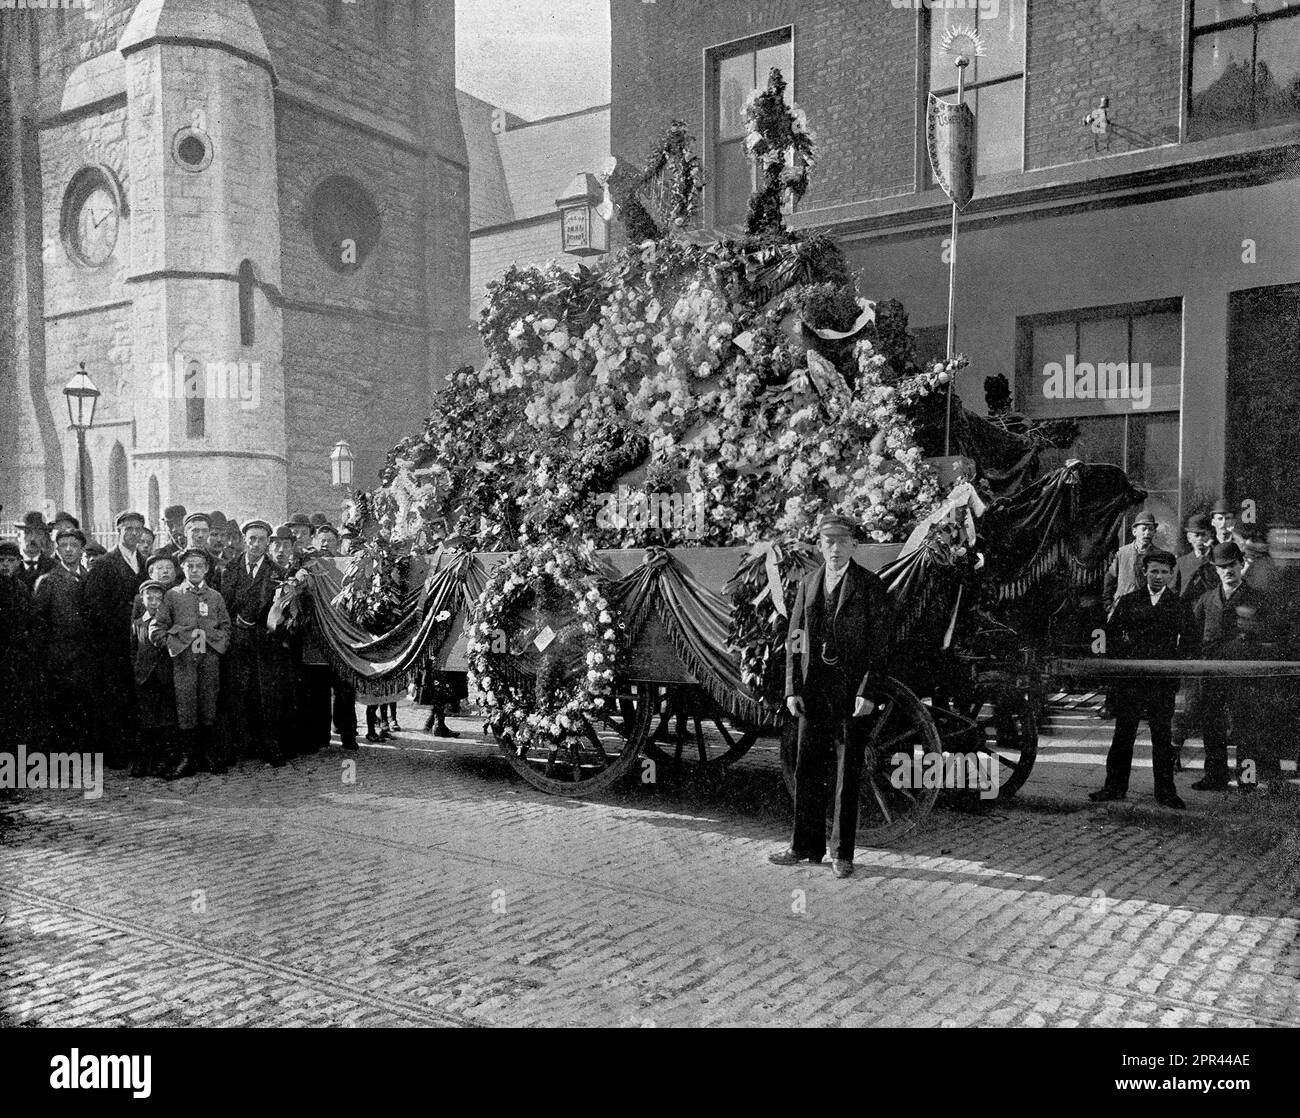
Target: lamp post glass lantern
[[341, 459], [82, 396], [583, 231]]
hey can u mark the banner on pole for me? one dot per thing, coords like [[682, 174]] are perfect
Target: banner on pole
[[950, 138]]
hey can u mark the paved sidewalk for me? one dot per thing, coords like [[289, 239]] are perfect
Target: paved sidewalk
[[438, 889]]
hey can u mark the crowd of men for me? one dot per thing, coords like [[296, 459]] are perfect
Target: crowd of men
[[1219, 601], [162, 658]]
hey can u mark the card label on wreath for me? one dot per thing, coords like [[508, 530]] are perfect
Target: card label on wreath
[[544, 638]]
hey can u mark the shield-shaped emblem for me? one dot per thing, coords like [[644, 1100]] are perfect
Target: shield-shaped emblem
[[950, 138]]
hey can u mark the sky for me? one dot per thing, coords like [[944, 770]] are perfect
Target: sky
[[534, 57]]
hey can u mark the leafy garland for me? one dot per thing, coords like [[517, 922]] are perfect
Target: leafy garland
[[777, 135], [548, 709], [374, 584]]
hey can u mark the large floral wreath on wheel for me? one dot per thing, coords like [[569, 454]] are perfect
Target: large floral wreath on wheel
[[545, 708]]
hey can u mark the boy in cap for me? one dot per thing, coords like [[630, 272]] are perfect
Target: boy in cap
[[193, 625], [1150, 623], [838, 643], [1232, 622], [34, 543], [154, 691], [112, 584]]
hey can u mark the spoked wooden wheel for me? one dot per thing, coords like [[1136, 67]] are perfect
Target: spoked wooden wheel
[[902, 742], [692, 732], [598, 756], [997, 723]]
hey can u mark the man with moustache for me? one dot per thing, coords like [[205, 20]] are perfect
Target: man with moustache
[[258, 682], [839, 639], [1232, 622], [1150, 623], [111, 590], [33, 542]]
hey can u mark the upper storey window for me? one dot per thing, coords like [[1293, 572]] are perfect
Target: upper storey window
[[1245, 66]]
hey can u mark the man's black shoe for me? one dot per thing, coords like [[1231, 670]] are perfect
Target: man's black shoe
[[842, 868], [1104, 795], [369, 737], [1205, 784], [1171, 801], [351, 743], [790, 858]]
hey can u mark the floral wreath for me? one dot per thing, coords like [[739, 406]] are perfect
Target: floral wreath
[[546, 710], [778, 136]]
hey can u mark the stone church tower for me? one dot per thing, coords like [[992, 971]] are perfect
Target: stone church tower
[[249, 220]]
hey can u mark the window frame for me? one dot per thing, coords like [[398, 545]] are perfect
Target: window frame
[[925, 42], [711, 57], [1192, 33]]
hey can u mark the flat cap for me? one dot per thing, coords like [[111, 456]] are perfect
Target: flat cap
[[1225, 553], [154, 560], [66, 518], [94, 547], [75, 533], [195, 517], [123, 517], [152, 584], [191, 551], [834, 522], [257, 524], [10, 549], [1198, 523], [1146, 516], [1159, 555]]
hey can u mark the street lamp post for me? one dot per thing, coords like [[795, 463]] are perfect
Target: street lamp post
[[82, 396], [341, 459]]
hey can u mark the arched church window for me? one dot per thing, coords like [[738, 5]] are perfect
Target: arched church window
[[119, 489]]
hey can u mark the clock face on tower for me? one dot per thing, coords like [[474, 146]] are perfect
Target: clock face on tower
[[91, 212]]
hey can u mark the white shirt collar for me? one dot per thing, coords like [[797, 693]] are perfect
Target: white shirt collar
[[132, 558], [1156, 597], [833, 576]]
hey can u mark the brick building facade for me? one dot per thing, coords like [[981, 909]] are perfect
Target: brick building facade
[[249, 220], [1166, 242]]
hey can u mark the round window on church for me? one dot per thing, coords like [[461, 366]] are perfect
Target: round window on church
[[344, 223], [192, 149]]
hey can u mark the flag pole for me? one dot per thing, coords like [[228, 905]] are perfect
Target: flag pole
[[961, 62]]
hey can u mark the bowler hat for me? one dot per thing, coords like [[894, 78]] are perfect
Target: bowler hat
[[66, 518], [123, 517], [326, 528], [283, 532], [151, 584], [194, 551], [9, 548], [1146, 516], [174, 512], [1225, 554], [218, 519], [1198, 523], [32, 521], [1221, 507], [300, 518], [318, 519], [75, 533], [195, 517], [833, 522]]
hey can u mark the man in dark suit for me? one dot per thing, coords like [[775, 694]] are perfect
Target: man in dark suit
[[1150, 623], [838, 644], [258, 684], [33, 542], [112, 585], [1233, 622], [69, 666]]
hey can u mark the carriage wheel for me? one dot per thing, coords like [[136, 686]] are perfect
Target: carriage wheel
[[598, 756], [1002, 724], [692, 731], [900, 736]]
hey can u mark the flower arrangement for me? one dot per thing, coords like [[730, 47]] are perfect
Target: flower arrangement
[[778, 136], [544, 711]]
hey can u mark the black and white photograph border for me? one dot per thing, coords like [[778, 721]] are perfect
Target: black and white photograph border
[[650, 513]]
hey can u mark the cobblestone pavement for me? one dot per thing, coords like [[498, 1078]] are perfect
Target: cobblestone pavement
[[439, 890]]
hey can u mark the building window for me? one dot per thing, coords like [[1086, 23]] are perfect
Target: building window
[[732, 73], [247, 287], [1116, 371], [1245, 66], [995, 80], [195, 419]]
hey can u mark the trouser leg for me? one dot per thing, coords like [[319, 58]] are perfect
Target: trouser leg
[[812, 768], [1119, 761], [850, 747], [1160, 714], [345, 712]]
